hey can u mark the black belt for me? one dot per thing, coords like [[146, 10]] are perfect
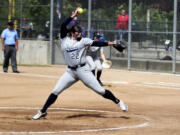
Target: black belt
[[77, 66], [13, 45]]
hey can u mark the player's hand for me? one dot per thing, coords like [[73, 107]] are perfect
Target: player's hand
[[111, 43], [75, 13]]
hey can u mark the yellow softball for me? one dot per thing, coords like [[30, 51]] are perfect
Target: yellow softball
[[80, 10]]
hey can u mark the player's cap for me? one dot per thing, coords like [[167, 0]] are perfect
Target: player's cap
[[76, 28], [97, 35], [10, 23]]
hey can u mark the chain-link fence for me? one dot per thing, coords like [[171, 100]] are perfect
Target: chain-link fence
[[151, 35], [33, 14]]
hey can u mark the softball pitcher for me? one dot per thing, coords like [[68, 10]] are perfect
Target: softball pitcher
[[74, 48]]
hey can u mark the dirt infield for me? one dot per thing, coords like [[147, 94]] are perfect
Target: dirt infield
[[153, 100]]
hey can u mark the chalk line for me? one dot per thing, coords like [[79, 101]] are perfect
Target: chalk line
[[144, 124]]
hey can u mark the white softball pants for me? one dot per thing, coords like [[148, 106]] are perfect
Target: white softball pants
[[71, 76], [94, 63]]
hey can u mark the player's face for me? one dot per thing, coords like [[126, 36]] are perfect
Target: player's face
[[96, 38], [77, 35]]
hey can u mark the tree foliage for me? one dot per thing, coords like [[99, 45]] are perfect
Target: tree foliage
[[35, 12], [109, 10]]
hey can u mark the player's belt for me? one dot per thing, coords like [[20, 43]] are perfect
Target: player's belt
[[77, 66], [12, 45]]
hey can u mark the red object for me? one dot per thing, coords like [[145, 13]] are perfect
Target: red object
[[122, 22]]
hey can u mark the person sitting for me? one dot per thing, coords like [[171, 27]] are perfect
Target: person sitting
[[26, 29]]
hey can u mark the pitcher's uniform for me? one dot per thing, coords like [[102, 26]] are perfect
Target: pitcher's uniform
[[75, 57], [93, 57]]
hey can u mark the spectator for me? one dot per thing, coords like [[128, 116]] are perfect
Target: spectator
[[26, 28], [122, 23], [9, 38], [47, 29]]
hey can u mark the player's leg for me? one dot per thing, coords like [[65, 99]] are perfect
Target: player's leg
[[91, 63], [64, 82], [90, 81], [109, 95], [99, 70]]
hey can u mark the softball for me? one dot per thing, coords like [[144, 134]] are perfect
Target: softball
[[80, 10]]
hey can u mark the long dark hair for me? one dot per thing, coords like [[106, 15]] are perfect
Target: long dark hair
[[76, 28]]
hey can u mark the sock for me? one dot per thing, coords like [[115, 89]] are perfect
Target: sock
[[51, 99], [99, 74], [109, 95], [93, 71]]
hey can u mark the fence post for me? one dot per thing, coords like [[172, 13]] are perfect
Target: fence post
[[51, 61], [89, 17], [21, 15], [129, 34], [174, 37]]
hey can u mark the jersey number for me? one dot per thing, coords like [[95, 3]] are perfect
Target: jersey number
[[75, 55]]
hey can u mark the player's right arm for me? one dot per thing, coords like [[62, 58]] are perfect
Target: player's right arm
[[90, 42], [103, 43], [64, 29]]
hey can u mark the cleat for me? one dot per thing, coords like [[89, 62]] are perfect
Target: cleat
[[39, 115], [123, 106]]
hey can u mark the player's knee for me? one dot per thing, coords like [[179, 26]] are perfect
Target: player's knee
[[100, 91], [93, 67], [99, 68], [55, 92]]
